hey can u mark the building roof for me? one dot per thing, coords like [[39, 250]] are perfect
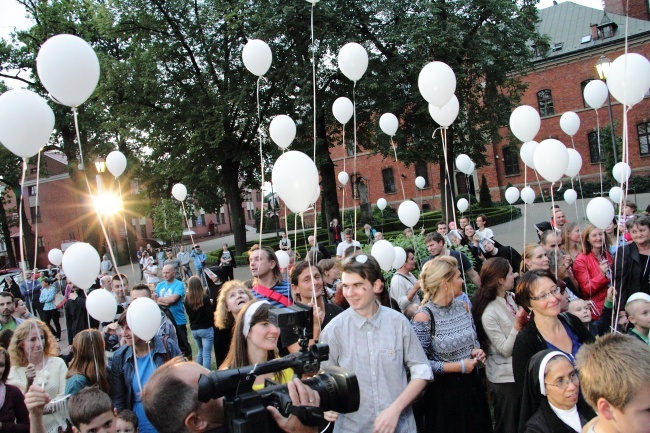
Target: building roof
[[569, 24], [57, 156]]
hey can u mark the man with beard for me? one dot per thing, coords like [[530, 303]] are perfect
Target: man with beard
[[268, 283], [7, 321]]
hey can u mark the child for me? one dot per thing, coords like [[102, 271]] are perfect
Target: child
[[378, 344], [90, 410], [615, 381], [127, 421], [638, 313], [581, 309]]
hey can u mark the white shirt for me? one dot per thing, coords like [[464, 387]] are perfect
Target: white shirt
[[345, 245], [569, 417]]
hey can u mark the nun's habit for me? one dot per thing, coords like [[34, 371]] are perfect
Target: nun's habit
[[537, 415]]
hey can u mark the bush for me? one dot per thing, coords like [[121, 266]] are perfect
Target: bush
[[484, 193]]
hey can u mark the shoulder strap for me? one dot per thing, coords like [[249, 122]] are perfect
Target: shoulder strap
[[166, 355], [272, 294], [432, 320]]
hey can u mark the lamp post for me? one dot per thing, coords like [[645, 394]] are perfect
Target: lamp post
[[100, 165], [602, 66]]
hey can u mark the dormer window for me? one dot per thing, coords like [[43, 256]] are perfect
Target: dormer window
[[607, 27]]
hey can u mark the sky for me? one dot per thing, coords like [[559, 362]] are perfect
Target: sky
[[12, 17]]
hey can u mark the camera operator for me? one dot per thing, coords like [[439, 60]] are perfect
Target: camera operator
[[171, 402]]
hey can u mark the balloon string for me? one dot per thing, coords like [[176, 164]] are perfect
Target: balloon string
[[345, 157], [38, 175], [525, 208], [554, 225], [600, 160], [126, 233], [539, 184], [187, 222], [399, 172], [90, 192], [20, 235], [311, 274], [356, 180], [259, 133], [443, 132], [313, 63]]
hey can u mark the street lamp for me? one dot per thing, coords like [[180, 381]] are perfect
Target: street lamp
[[602, 67], [100, 165]]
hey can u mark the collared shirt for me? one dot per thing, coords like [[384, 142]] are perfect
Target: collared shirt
[[376, 349]]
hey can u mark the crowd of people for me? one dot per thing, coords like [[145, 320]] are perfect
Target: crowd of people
[[536, 345]]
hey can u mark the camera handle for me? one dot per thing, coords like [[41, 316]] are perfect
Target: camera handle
[[310, 416]]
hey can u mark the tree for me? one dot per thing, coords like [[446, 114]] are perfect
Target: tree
[[167, 221], [484, 193]]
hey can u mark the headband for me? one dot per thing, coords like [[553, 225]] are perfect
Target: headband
[[542, 368], [248, 316]]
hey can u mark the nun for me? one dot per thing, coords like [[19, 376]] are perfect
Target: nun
[[551, 400]]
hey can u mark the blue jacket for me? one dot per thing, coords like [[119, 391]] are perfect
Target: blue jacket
[[31, 290], [198, 258], [123, 370]]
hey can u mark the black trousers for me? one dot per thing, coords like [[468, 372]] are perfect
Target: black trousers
[[506, 403], [183, 342], [52, 316]]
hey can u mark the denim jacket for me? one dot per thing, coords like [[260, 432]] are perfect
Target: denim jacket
[[123, 370]]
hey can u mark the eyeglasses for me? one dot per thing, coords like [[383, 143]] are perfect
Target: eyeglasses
[[545, 296], [563, 383], [359, 258]]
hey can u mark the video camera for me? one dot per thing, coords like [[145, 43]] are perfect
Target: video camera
[[245, 408]]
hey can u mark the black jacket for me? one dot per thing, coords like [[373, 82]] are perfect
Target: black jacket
[[628, 271], [546, 421], [529, 341]]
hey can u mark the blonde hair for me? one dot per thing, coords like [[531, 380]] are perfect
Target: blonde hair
[[528, 252], [223, 318], [586, 246], [615, 367], [434, 273], [16, 349]]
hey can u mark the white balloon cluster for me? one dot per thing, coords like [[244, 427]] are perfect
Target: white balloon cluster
[[437, 84], [465, 164], [384, 252]]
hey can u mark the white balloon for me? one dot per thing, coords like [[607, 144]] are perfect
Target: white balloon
[[527, 152], [382, 203], [408, 213], [551, 159], [621, 172], [384, 252], [81, 263], [116, 163], [55, 256], [101, 305], [179, 191], [295, 178], [570, 123], [282, 130], [528, 195], [445, 115], [257, 57], [628, 78], [400, 257], [420, 182], [316, 194], [615, 194], [575, 163], [388, 123], [570, 196], [26, 122], [283, 259], [68, 68], [525, 122], [462, 205], [437, 83], [595, 93], [600, 212], [343, 178], [463, 163], [343, 109], [353, 61], [143, 317], [512, 195], [471, 168]]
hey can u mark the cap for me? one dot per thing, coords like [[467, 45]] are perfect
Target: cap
[[638, 296]]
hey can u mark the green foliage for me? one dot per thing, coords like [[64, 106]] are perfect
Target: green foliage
[[167, 221], [484, 193]]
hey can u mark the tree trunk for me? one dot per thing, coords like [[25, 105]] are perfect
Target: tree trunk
[[6, 235], [230, 173], [329, 197]]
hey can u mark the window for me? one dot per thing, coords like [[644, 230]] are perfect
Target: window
[[33, 170], [31, 190], [422, 170], [545, 103], [223, 218], [35, 214], [511, 161], [608, 31], [582, 92], [258, 196], [595, 156], [643, 129], [40, 244], [388, 177]]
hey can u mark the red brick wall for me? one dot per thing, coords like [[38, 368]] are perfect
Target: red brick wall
[[637, 8]]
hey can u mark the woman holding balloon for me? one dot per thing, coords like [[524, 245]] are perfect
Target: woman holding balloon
[[125, 384]]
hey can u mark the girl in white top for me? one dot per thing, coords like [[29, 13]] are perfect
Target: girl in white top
[[481, 228]]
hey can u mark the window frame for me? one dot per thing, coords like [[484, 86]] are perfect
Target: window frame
[[545, 103], [645, 135], [388, 175], [511, 159], [590, 144]]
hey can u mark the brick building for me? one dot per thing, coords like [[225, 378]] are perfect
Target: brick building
[[578, 36]]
